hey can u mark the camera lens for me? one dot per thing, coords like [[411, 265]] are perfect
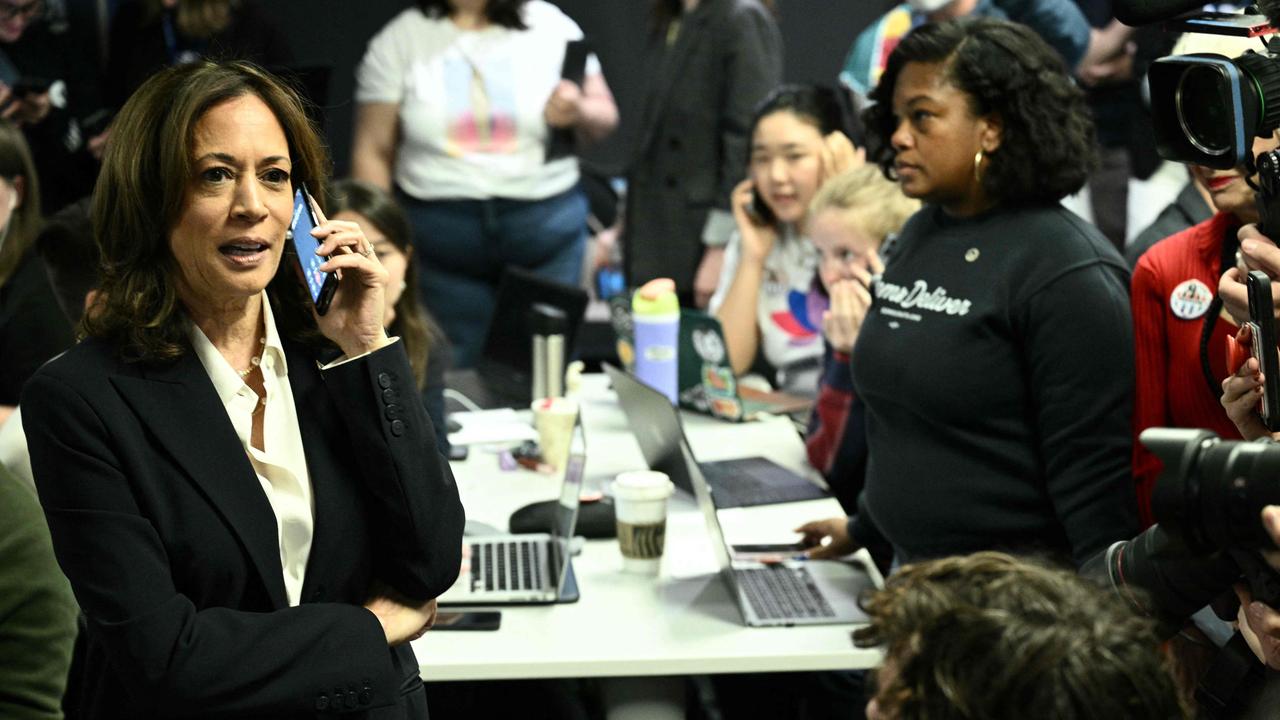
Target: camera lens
[[1203, 111]]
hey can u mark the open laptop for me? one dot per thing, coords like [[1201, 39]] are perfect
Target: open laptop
[[734, 483], [503, 376], [707, 381], [527, 569], [788, 591]]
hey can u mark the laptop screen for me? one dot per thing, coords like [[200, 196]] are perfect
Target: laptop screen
[[566, 518], [655, 424], [508, 340]]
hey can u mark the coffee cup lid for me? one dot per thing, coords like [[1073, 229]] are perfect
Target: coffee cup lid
[[643, 485]]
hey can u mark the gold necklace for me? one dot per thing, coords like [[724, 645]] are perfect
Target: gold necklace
[[255, 361]]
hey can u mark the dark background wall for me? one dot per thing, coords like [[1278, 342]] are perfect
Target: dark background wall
[[817, 33]]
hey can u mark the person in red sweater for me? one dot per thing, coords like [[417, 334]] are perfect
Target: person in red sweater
[[1180, 328], [849, 219]]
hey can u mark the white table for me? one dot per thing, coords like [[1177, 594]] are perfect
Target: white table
[[681, 622]]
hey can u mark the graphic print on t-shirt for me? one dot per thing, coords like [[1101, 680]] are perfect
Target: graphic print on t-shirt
[[796, 321], [480, 105], [918, 296]]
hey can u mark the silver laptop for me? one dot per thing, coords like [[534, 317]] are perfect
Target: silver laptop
[[785, 593], [526, 569], [741, 482]]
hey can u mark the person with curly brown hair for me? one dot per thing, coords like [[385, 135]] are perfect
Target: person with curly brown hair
[[993, 637]]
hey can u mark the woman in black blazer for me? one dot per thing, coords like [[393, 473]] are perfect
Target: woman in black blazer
[[246, 497]]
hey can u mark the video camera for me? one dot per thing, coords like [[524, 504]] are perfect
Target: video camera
[[1206, 109]]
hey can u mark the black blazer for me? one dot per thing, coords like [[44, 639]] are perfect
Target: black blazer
[[170, 544], [692, 147]]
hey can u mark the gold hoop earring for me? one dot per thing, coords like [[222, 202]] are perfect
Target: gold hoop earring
[[977, 166]]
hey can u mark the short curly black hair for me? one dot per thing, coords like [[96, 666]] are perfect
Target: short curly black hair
[[1047, 149]]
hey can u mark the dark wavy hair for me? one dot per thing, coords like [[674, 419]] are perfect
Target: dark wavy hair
[[1047, 147], [140, 195], [991, 636], [507, 13], [412, 321]]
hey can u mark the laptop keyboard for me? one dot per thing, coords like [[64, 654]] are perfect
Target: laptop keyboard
[[735, 483], [780, 592], [506, 566]]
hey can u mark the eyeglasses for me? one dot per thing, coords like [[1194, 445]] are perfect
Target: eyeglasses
[[26, 11]]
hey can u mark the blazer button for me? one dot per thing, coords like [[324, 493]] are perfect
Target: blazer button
[[394, 411], [322, 703], [389, 396], [397, 427], [352, 703], [366, 697], [384, 380]]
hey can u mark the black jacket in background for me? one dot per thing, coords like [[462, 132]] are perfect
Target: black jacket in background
[[32, 327], [692, 147]]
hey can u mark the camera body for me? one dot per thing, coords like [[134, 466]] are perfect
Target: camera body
[[1212, 491]]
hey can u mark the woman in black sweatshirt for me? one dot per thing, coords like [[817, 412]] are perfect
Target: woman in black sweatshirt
[[996, 362]]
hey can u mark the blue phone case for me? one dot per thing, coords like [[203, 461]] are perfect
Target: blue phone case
[[321, 285]]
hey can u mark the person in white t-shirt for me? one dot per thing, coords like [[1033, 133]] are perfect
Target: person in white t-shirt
[[797, 142], [456, 101]]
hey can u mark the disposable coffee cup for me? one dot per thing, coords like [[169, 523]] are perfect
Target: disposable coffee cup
[[554, 418], [640, 505]]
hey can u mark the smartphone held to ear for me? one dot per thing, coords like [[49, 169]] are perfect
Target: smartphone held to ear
[[759, 212], [1262, 328], [321, 285]]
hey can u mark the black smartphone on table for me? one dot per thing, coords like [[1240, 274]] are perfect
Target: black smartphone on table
[[475, 620], [1262, 328], [321, 285]]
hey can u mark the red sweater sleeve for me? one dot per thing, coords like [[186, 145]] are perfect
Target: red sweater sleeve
[[1150, 407]]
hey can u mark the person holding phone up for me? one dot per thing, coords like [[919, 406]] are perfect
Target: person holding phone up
[[246, 497], [996, 363], [797, 142], [1182, 330]]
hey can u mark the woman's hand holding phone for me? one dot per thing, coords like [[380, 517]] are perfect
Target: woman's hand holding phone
[[355, 316], [827, 539], [1242, 391], [1257, 252], [757, 236]]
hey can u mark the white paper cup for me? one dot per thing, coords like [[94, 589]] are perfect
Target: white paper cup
[[554, 418], [640, 505]]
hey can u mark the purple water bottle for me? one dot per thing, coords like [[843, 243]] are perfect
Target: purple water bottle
[[656, 312]]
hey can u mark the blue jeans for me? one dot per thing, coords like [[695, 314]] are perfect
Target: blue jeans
[[463, 246]]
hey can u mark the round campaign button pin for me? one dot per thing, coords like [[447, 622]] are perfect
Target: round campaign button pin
[[1190, 299]]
